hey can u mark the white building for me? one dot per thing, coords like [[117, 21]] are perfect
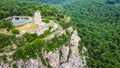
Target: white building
[[37, 18]]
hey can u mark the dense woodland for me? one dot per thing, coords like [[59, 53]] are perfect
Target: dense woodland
[[48, 1], [17, 8], [97, 21], [98, 24], [112, 1], [25, 8]]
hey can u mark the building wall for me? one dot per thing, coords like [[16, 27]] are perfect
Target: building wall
[[37, 18]]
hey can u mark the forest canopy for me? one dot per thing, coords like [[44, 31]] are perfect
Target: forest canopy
[[49, 1], [97, 22], [98, 25]]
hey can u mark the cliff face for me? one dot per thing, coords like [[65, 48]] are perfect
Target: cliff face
[[65, 57]]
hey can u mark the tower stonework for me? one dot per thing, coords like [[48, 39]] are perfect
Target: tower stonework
[[37, 18]]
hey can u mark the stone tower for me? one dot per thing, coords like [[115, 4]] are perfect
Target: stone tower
[[37, 18]]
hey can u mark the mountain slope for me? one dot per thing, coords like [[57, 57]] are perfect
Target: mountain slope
[[52, 45], [49, 1], [98, 26]]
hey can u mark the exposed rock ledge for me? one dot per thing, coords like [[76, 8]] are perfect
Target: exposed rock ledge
[[66, 57]]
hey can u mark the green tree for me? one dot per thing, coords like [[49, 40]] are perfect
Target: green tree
[[15, 31]]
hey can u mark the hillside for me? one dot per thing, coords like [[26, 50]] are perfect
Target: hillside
[[97, 23], [98, 26], [49, 1], [48, 40]]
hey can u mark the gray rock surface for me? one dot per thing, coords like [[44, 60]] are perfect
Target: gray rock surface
[[74, 61], [65, 52], [65, 57]]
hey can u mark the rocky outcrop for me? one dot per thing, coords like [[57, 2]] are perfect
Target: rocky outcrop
[[74, 59], [34, 63], [53, 59], [65, 53], [65, 57]]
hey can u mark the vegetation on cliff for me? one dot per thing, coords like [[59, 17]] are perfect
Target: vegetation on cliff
[[97, 22]]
